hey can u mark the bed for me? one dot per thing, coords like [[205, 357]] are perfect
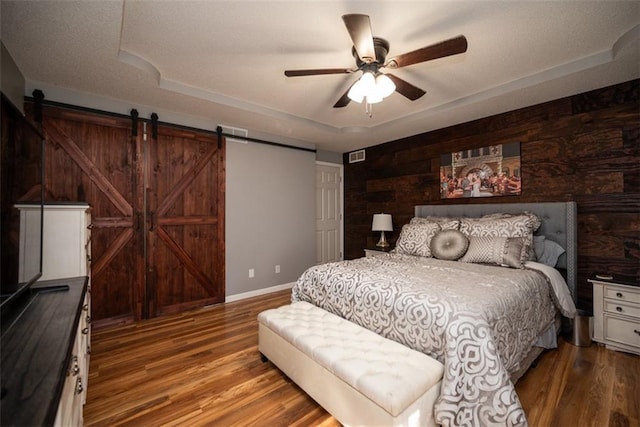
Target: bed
[[485, 314]]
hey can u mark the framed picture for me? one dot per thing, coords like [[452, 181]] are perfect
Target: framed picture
[[481, 172]]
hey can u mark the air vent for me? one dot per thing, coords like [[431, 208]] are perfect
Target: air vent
[[230, 130], [356, 156]]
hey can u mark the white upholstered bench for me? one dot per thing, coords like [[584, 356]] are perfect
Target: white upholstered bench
[[359, 377]]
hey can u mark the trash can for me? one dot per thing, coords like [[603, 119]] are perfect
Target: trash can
[[582, 330]]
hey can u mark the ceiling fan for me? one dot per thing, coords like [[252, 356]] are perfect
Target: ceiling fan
[[370, 54]]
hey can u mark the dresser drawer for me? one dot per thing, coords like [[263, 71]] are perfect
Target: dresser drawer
[[623, 331], [622, 294], [617, 307]]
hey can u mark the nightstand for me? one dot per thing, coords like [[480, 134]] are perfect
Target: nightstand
[[616, 311], [369, 252]]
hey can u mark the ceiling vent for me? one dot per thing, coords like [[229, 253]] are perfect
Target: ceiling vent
[[356, 156], [230, 130]]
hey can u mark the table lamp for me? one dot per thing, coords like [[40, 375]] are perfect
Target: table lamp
[[382, 222]]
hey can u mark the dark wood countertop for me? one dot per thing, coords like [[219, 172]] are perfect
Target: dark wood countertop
[[36, 351]]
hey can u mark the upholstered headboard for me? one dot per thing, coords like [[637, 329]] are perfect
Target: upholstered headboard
[[559, 224]]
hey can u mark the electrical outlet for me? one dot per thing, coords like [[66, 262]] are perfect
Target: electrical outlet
[[252, 273], [278, 269]]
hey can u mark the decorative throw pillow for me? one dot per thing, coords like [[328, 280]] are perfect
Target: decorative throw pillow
[[415, 239], [503, 251], [444, 222], [536, 222], [514, 226], [449, 245]]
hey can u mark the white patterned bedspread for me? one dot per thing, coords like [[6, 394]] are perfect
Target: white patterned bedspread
[[480, 321]]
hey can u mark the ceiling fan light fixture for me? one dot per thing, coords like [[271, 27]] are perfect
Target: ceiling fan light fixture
[[368, 82], [384, 86], [373, 98], [375, 89], [356, 94]]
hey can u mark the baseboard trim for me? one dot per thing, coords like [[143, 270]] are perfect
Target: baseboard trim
[[258, 292]]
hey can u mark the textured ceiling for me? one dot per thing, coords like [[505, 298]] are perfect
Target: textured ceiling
[[223, 61]]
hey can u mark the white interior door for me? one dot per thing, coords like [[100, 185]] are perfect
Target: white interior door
[[328, 212]]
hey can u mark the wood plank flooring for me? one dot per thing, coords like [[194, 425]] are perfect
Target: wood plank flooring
[[203, 368]]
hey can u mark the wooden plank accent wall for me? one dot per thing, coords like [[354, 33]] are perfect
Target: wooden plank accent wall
[[584, 148]]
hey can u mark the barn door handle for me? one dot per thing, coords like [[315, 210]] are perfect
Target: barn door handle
[[152, 221], [139, 222]]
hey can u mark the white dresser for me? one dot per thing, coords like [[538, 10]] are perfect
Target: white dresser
[[66, 239], [616, 311], [66, 253]]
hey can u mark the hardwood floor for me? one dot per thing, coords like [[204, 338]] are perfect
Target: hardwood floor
[[203, 368]]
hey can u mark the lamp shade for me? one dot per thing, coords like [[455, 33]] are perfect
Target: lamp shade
[[382, 222], [384, 86]]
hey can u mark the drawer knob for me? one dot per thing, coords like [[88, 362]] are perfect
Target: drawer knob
[[636, 331], [619, 294], [619, 309]]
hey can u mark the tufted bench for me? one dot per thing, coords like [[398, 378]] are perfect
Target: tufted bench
[[358, 376]]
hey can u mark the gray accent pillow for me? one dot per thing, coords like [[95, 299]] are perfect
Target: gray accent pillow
[[415, 239], [449, 245], [503, 251], [547, 251]]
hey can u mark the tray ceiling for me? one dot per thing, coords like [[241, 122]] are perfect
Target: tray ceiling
[[223, 61]]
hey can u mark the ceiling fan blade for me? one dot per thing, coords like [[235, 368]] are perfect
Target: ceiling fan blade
[[344, 100], [405, 88], [359, 28], [298, 73], [439, 50]]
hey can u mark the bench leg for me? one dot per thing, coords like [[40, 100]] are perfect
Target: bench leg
[[264, 358]]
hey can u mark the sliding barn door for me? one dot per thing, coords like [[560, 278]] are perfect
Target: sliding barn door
[[157, 207], [185, 239], [92, 158]]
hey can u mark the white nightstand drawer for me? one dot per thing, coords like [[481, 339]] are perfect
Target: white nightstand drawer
[[374, 252], [616, 313], [621, 308], [622, 294], [622, 331]]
